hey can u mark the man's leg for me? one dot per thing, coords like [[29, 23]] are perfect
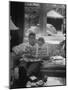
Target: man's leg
[[34, 68]]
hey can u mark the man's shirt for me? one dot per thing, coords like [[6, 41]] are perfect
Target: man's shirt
[[25, 47]]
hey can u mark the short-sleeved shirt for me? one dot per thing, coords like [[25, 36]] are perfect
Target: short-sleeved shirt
[[42, 51], [25, 47]]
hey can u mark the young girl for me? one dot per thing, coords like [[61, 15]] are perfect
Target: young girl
[[42, 49]]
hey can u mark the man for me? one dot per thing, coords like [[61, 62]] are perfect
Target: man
[[30, 48]]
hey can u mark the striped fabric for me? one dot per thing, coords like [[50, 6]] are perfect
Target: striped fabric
[[34, 51], [42, 51]]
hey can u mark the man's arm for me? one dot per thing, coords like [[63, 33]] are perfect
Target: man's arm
[[17, 52], [19, 49]]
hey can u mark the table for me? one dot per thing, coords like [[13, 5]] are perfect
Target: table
[[52, 69]]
